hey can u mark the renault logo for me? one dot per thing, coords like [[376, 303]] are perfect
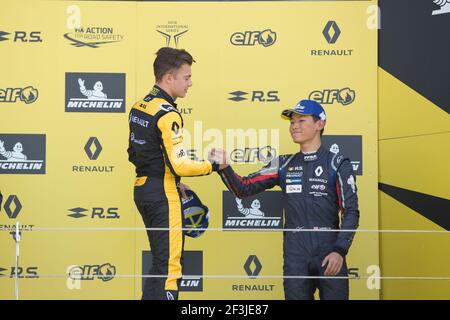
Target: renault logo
[[93, 142], [12, 206], [319, 171], [331, 32], [252, 263], [175, 127]]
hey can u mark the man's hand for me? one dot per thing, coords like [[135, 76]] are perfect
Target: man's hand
[[334, 262], [218, 156], [183, 189]]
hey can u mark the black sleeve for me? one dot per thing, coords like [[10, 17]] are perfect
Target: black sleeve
[[131, 152], [242, 187], [348, 202]]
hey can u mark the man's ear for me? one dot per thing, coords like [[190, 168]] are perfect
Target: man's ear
[[167, 78], [321, 124]]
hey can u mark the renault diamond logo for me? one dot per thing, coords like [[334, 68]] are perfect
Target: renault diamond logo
[[12, 206], [331, 32], [319, 171], [175, 127], [252, 263], [93, 141]]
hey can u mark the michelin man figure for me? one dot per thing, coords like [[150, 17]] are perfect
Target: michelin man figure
[[96, 94], [15, 155], [254, 212]]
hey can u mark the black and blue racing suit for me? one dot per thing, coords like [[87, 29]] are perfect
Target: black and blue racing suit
[[316, 187]]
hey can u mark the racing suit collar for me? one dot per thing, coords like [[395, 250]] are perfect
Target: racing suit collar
[[312, 156], [157, 92]]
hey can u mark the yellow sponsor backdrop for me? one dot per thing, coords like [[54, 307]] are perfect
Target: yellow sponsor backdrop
[[285, 67]]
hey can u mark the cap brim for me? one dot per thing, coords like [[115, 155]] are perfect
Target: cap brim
[[287, 114]]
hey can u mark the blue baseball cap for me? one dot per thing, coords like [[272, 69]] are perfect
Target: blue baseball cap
[[305, 108], [196, 215]]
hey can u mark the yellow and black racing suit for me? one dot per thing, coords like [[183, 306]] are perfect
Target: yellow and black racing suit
[[156, 149]]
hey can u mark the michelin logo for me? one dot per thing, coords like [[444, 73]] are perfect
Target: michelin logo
[[334, 148], [14, 160], [95, 92], [258, 213]]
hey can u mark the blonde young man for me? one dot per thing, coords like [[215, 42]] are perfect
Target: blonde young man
[[156, 149]]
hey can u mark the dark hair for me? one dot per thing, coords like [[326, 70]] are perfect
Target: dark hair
[[316, 118], [168, 59]]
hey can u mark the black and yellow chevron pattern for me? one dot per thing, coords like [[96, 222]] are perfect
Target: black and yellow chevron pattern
[[414, 153]]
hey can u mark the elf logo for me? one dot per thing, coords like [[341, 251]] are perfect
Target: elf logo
[[104, 272], [252, 155], [27, 94], [265, 38], [343, 96]]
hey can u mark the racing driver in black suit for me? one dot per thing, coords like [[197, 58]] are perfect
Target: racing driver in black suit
[[317, 184]]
